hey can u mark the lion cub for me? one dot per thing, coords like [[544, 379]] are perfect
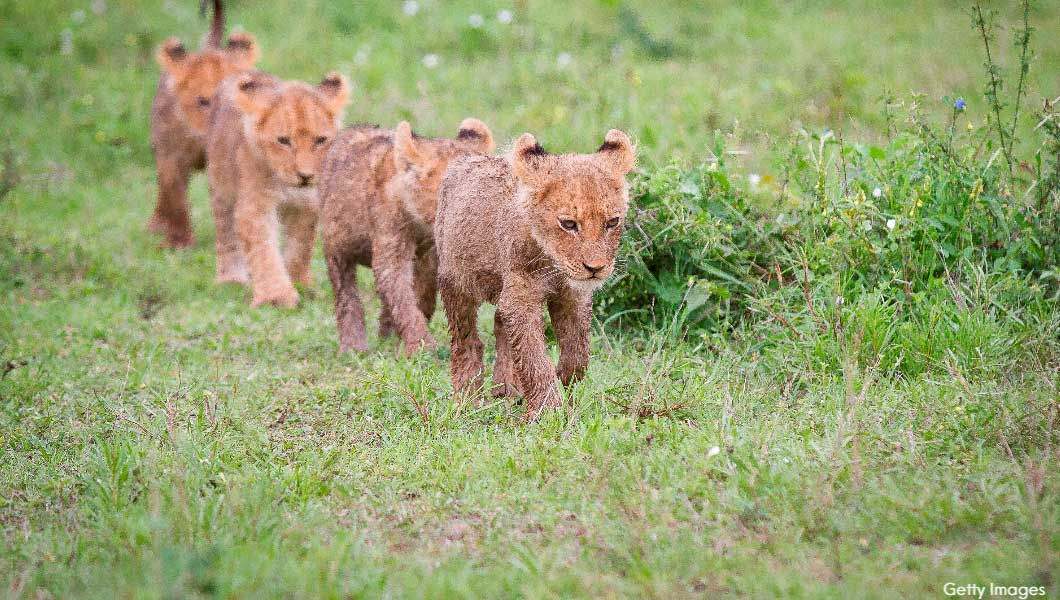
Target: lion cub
[[379, 191], [179, 118], [265, 143], [529, 229]]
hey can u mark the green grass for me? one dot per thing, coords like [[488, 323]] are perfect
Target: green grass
[[160, 439]]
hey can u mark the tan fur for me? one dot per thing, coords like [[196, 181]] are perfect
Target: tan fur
[[379, 191], [179, 117], [265, 142], [500, 239]]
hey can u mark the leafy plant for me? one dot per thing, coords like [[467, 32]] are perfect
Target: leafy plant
[[861, 245]]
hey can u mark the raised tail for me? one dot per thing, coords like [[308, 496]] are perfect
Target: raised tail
[[217, 27]]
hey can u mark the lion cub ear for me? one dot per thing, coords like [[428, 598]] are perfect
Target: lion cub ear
[[406, 148], [242, 50], [476, 134], [618, 152], [172, 56], [336, 91], [252, 95], [530, 162]]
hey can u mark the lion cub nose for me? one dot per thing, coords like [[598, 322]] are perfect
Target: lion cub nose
[[594, 268], [305, 179]]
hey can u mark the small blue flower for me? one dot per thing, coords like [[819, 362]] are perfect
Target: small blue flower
[[960, 104]]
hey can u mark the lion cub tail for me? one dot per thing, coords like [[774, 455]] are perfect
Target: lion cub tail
[[217, 26]]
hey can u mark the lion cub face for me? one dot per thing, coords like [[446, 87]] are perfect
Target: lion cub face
[[194, 77], [420, 164], [292, 123], [576, 204]]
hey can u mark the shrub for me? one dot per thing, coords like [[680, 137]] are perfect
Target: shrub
[[883, 251]]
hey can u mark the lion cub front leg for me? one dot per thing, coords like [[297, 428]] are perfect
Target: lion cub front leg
[[300, 231], [426, 281], [524, 326], [571, 316], [231, 264], [393, 256], [386, 322], [172, 216], [256, 223], [503, 371]]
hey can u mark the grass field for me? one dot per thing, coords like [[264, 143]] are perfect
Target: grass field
[[160, 439]]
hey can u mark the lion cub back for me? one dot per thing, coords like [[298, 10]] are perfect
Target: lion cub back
[[476, 204]]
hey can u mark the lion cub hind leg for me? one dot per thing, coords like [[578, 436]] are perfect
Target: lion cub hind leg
[[349, 311], [259, 233], [465, 357]]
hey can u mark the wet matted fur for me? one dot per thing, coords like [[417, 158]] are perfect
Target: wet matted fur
[[379, 191], [266, 141], [529, 230]]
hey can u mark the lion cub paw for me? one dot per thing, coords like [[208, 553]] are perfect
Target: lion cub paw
[[238, 277], [283, 299], [177, 240], [504, 389]]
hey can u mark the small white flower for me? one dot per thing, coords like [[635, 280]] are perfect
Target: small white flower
[[839, 300], [361, 57], [476, 21], [431, 61], [78, 16], [66, 42], [505, 16], [866, 225], [411, 7], [877, 192], [99, 6], [891, 223], [754, 179], [714, 451], [563, 60]]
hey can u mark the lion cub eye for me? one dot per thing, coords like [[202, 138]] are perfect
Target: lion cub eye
[[568, 224], [611, 223], [283, 140], [203, 101], [320, 140]]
